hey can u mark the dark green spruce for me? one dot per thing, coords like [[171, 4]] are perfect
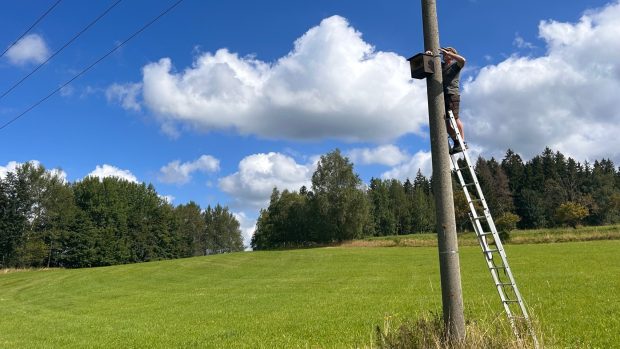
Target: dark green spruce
[[47, 222]]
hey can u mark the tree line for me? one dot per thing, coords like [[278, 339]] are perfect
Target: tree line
[[47, 222], [550, 190]]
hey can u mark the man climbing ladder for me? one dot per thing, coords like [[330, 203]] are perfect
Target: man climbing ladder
[[451, 67], [451, 71]]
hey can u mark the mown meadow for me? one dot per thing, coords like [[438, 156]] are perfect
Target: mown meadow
[[329, 297]]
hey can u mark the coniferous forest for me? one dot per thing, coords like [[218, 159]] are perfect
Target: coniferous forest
[[550, 190], [46, 222]]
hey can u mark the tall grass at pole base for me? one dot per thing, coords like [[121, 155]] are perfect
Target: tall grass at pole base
[[428, 332]]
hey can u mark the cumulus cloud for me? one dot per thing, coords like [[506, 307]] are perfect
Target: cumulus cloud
[[12, 166], [332, 84], [30, 49], [388, 154], [106, 170], [180, 173], [125, 94], [420, 161], [258, 174], [247, 226], [566, 99]]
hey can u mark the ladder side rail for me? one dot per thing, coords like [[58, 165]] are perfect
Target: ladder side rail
[[476, 223], [475, 179], [498, 285], [486, 210], [491, 224], [514, 287], [502, 296], [522, 307], [484, 244], [497, 240], [497, 280], [502, 252], [456, 129]]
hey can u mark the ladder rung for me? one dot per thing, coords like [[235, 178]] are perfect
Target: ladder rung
[[479, 217], [486, 234], [510, 301], [490, 251], [475, 200], [504, 284], [469, 184], [498, 267]]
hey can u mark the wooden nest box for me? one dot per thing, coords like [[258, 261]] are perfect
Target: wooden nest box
[[421, 66]]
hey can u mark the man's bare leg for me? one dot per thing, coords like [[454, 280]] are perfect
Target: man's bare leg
[[459, 124]]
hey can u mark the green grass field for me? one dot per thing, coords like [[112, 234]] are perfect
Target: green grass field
[[530, 236], [315, 298]]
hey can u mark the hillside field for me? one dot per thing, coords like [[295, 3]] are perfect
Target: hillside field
[[311, 298]]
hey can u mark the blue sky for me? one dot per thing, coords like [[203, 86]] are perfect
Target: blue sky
[[221, 101]]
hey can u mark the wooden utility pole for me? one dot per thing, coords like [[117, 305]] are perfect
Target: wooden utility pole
[[451, 292]]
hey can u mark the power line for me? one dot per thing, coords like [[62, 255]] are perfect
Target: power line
[[93, 64], [32, 26], [60, 49]]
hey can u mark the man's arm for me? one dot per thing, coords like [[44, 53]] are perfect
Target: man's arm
[[460, 60]]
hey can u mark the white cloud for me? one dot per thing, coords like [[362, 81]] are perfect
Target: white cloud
[[258, 174], [420, 161], [389, 155], [247, 226], [30, 49], [12, 166], [566, 99], [331, 85], [167, 198], [125, 94], [521, 43], [106, 170], [60, 174], [67, 91], [180, 173]]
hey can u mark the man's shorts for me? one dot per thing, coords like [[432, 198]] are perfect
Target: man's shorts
[[452, 102]]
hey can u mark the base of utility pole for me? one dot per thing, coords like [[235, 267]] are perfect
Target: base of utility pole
[[451, 292]]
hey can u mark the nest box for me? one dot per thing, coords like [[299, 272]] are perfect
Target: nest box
[[421, 66]]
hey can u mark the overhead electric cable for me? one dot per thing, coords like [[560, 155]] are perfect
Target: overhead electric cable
[[32, 26], [93, 64], [61, 48]]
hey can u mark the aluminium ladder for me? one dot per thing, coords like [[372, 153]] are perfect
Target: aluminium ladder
[[495, 257]]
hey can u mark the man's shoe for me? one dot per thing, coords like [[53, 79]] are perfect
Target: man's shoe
[[457, 148]]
